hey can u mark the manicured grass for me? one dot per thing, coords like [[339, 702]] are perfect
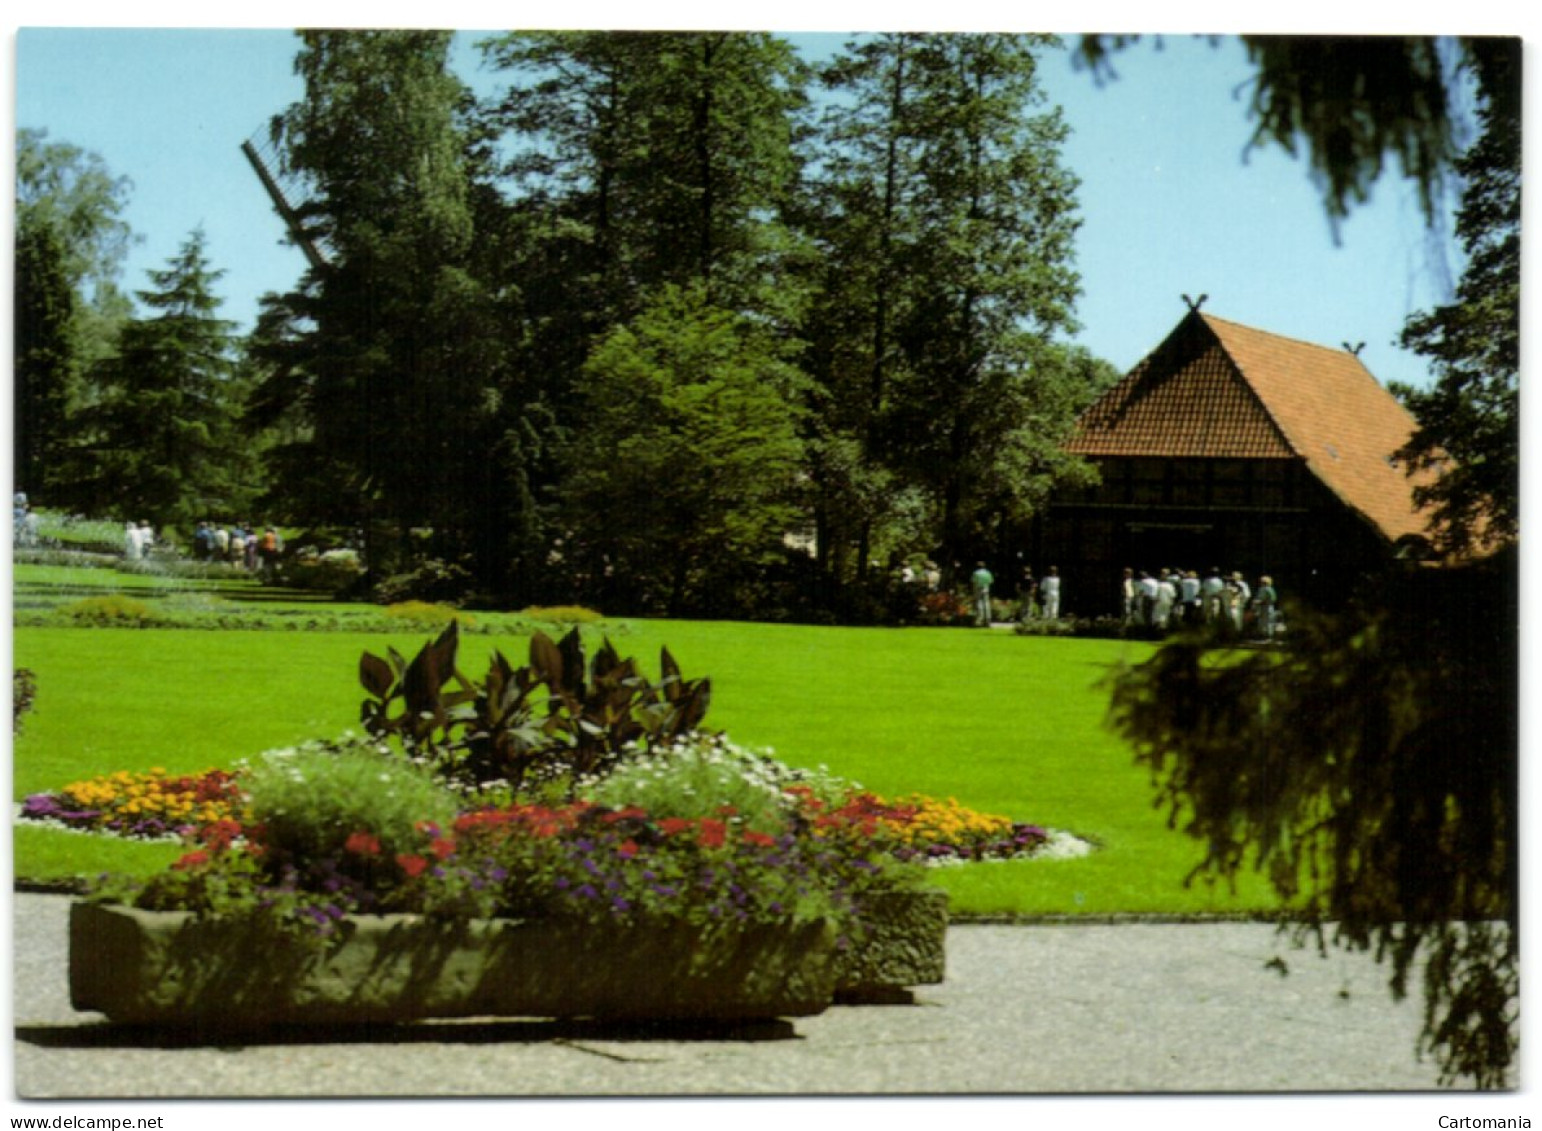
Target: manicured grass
[[1005, 724]]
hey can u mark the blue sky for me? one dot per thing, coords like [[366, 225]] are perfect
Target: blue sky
[[1171, 203]]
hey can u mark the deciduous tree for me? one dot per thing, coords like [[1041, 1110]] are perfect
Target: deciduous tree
[[685, 474]]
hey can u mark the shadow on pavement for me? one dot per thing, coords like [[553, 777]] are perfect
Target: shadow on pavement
[[107, 1035]]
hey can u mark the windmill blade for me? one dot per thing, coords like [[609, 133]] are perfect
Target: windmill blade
[[314, 250]]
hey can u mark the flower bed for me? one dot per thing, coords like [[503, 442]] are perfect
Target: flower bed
[[483, 837], [151, 805], [563, 910]]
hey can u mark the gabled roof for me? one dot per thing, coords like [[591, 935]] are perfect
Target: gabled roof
[[1220, 390]]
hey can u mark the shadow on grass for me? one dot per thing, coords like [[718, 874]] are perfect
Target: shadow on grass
[[107, 1035]]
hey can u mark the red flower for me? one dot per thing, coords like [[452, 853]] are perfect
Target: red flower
[[191, 860], [712, 833], [362, 844], [762, 839], [219, 835], [412, 865], [669, 826], [626, 849], [443, 848]]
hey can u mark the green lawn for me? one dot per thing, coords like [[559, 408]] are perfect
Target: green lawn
[[1005, 724]]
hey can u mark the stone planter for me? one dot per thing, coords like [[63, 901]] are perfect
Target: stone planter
[[905, 946], [168, 968]]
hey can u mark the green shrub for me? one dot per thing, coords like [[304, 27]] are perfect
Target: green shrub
[[311, 799], [23, 692], [332, 572], [112, 610], [562, 614], [431, 580], [427, 615]]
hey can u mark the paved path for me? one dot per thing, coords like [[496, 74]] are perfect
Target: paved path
[[1128, 1008]]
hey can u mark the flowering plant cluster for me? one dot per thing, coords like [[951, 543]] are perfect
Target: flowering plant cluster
[[153, 804], [578, 861], [944, 609], [917, 827]]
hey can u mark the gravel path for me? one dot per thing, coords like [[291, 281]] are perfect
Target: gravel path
[[1066, 1009]]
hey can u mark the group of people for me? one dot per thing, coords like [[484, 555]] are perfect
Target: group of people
[[138, 541], [1176, 598], [238, 543], [1041, 597], [928, 574]]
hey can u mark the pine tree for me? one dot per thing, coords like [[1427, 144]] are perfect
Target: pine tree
[[948, 221], [392, 352], [45, 359], [165, 445], [1469, 422]]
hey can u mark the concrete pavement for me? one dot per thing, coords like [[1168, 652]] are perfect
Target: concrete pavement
[[1026, 1009]]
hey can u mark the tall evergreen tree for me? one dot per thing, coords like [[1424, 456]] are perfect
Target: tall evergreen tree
[[45, 358], [393, 349], [165, 447], [640, 165], [949, 225], [1469, 421], [670, 154]]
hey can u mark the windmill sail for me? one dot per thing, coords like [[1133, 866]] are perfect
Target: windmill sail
[[315, 251]]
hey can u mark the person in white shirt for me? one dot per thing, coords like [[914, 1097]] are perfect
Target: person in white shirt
[[1212, 596], [1049, 594], [1166, 597], [1188, 596], [1147, 586], [1238, 596]]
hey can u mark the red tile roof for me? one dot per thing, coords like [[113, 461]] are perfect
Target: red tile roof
[[1220, 390]]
